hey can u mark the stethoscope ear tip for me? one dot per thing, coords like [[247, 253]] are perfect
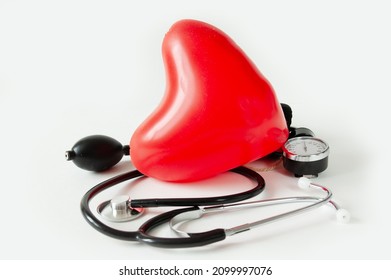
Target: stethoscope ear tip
[[343, 216], [304, 183]]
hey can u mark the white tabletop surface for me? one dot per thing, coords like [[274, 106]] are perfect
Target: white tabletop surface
[[70, 69]]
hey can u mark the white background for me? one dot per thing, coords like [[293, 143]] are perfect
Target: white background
[[69, 69]]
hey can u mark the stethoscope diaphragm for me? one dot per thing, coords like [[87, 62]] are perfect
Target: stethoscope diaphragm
[[119, 210]]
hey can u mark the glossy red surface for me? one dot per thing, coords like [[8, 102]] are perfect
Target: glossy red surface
[[218, 111]]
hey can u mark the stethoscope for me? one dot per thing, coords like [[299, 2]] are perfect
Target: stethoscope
[[129, 209], [303, 154], [120, 209]]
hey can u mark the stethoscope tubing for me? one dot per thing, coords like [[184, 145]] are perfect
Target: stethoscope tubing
[[176, 202], [94, 221], [206, 201]]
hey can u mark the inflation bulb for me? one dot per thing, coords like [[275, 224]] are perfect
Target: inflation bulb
[[96, 153]]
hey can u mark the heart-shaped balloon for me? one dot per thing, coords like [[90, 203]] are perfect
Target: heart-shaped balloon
[[218, 111]]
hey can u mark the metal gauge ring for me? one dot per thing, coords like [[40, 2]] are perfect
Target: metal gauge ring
[[305, 156]]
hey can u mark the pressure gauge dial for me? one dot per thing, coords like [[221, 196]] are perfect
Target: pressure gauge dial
[[305, 156]]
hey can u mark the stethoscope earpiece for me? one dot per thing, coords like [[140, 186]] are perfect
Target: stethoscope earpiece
[[97, 153], [343, 215], [304, 183]]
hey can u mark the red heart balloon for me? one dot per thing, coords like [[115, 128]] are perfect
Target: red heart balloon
[[218, 111]]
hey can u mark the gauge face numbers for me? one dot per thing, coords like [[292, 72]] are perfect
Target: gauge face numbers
[[306, 147]]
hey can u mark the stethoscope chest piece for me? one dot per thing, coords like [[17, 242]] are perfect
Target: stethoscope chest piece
[[119, 210]]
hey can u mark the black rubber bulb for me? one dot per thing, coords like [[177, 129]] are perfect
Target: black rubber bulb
[[97, 152]]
